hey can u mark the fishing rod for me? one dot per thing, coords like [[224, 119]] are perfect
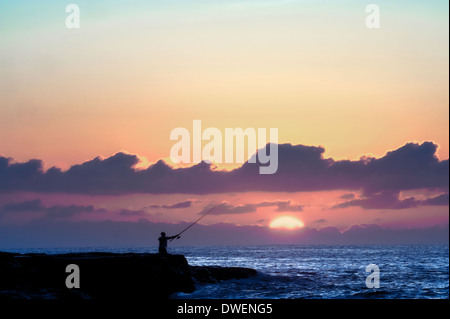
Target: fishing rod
[[178, 235]]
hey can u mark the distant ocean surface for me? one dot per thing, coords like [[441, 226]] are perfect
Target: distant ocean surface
[[301, 271]]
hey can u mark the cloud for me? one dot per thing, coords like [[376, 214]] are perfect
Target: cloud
[[55, 211], [281, 206], [184, 204], [131, 212], [34, 205], [382, 200], [391, 200], [61, 211], [440, 200], [287, 207], [300, 168], [348, 196], [226, 208]]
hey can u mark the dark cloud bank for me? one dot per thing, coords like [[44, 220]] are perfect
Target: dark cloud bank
[[51, 233], [300, 168], [52, 227]]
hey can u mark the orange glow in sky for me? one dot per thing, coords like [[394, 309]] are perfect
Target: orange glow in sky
[[130, 75]]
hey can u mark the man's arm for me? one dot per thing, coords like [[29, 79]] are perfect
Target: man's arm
[[172, 237]]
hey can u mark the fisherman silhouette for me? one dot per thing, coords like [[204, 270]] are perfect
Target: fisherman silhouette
[[163, 243]]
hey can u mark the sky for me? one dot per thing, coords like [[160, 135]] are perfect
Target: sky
[[86, 115]]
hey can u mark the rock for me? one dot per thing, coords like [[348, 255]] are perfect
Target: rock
[[105, 276], [211, 274], [102, 276]]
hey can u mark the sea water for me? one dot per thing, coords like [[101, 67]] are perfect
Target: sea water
[[302, 271], [326, 271]]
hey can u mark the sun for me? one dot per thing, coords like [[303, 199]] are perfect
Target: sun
[[286, 222]]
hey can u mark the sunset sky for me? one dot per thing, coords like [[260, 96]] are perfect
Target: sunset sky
[[362, 114]]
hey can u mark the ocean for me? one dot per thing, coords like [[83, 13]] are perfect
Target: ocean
[[303, 271]]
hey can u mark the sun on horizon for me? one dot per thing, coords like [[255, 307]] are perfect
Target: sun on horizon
[[286, 222]]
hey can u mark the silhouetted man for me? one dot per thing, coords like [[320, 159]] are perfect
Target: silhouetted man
[[163, 243]]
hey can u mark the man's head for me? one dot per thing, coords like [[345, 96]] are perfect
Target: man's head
[[163, 234]]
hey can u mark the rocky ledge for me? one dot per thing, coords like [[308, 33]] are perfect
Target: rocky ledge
[[105, 276]]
